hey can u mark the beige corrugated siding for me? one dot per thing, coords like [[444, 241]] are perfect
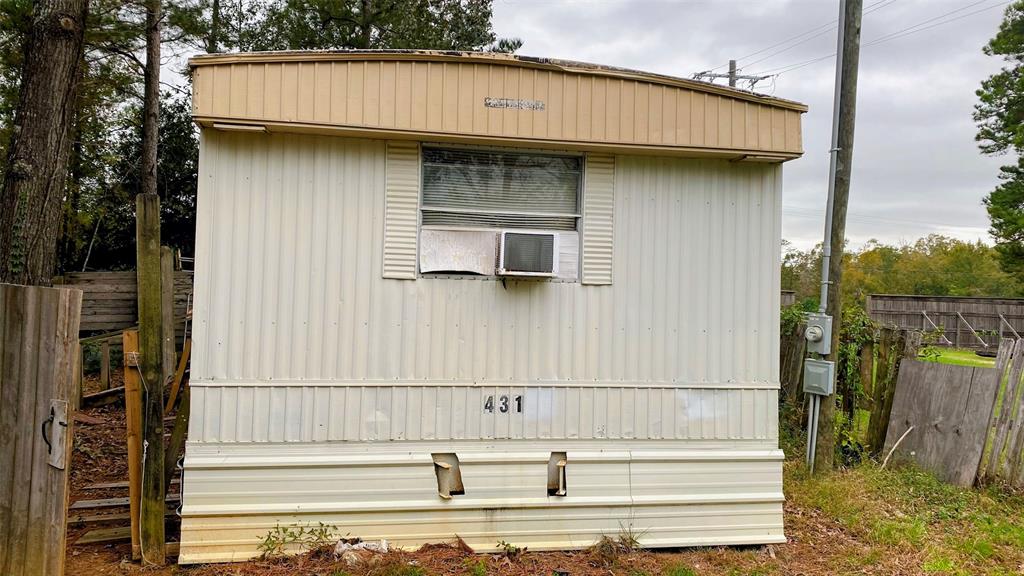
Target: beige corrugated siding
[[321, 388], [290, 287], [401, 210], [598, 230], [445, 96]]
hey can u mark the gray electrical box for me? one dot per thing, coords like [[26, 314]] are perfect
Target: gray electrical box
[[819, 333], [819, 377]]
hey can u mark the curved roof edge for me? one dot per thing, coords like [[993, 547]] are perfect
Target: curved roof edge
[[493, 58]]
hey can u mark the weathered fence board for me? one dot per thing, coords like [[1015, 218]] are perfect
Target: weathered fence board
[[955, 317], [893, 347], [948, 408], [110, 299], [38, 355]]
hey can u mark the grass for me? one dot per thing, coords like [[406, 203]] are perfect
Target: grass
[[909, 515], [961, 357]]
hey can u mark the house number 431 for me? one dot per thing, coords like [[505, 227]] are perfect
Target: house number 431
[[503, 403]]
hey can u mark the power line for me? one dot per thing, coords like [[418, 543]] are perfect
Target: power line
[[817, 31], [913, 29], [874, 7]]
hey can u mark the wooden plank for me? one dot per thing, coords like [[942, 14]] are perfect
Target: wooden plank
[[1003, 423], [168, 356], [119, 517], [99, 518], [150, 361], [99, 535], [179, 374], [103, 397], [116, 485], [947, 407], [105, 364], [38, 352], [133, 425], [118, 502], [177, 440]]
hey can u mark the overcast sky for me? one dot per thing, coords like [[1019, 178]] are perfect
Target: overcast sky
[[917, 169]]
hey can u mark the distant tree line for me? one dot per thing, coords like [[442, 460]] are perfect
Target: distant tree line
[[934, 265], [96, 230]]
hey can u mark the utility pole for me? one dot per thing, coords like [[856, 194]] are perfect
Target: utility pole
[[840, 168], [732, 76]]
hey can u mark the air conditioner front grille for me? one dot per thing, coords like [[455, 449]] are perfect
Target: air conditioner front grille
[[530, 253]]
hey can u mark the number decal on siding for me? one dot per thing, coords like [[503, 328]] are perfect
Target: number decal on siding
[[504, 403]]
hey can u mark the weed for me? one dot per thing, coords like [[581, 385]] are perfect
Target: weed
[[606, 551], [510, 551], [478, 568], [679, 570], [282, 539]]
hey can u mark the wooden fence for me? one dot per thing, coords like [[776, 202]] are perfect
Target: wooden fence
[[956, 321], [39, 343], [965, 424], [110, 299], [109, 306]]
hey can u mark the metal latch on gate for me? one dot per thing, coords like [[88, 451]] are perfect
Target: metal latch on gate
[[56, 426]]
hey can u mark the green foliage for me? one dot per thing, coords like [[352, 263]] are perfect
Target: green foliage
[[98, 231], [399, 24], [790, 318], [999, 114], [477, 568], [510, 551], [282, 539], [1001, 97], [934, 265], [679, 570]]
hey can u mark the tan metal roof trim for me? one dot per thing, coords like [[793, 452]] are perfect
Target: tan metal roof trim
[[471, 97], [490, 58]]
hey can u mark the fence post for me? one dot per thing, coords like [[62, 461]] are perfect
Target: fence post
[[150, 359], [133, 431], [105, 364]]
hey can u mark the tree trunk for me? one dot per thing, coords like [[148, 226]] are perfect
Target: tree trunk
[[32, 196], [151, 98], [214, 41]]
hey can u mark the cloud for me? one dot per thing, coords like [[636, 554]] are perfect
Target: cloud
[[917, 169]]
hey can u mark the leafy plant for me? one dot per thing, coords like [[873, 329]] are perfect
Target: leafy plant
[[477, 568], [280, 539], [510, 551]]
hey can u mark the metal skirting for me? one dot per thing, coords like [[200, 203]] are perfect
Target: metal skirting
[[668, 497]]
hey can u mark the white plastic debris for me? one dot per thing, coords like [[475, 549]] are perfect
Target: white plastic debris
[[354, 545]]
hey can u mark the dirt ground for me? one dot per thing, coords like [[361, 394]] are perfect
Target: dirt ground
[[820, 540]]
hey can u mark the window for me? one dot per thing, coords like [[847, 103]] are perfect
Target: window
[[465, 188]]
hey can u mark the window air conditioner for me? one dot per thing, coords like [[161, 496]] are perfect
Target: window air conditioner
[[528, 254]]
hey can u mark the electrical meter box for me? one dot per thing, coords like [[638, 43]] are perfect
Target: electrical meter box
[[819, 333], [819, 377]]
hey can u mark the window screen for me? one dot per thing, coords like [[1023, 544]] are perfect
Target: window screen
[[475, 188]]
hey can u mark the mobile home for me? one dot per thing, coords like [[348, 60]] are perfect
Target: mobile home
[[483, 295]]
